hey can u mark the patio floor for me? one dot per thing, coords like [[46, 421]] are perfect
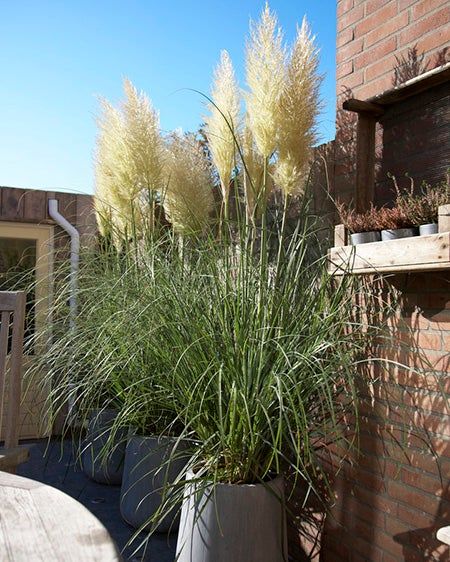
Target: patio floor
[[54, 463]]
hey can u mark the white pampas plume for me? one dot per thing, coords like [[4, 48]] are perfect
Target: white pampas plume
[[223, 122], [128, 163], [143, 138], [298, 110], [188, 198], [265, 65], [112, 170]]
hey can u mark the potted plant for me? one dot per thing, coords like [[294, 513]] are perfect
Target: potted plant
[[363, 227], [260, 353], [155, 460], [424, 207], [395, 224]]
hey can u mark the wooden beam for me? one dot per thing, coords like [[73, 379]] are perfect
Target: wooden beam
[[365, 161], [340, 236], [416, 85], [359, 106], [444, 218]]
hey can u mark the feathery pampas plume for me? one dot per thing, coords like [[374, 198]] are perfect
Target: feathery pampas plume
[[265, 65], [128, 163], [223, 123], [188, 198], [298, 110], [111, 170], [144, 143]]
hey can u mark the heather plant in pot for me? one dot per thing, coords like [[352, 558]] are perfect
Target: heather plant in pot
[[395, 224], [363, 227], [423, 208]]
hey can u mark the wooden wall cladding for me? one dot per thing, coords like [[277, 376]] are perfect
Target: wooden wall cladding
[[31, 206]]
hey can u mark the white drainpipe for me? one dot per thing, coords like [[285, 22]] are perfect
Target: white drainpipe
[[74, 254]]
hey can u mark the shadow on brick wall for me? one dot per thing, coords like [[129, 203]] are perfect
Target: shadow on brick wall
[[393, 495]]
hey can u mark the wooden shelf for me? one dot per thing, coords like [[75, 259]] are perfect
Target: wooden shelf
[[417, 253]]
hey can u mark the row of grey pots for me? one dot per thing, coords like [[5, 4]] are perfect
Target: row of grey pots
[[139, 464], [376, 236], [218, 523]]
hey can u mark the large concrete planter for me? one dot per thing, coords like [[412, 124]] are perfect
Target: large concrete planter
[[146, 472], [233, 522], [103, 468]]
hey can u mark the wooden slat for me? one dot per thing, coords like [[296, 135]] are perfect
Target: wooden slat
[[15, 372], [444, 218], [35, 206], [365, 161], [360, 106], [4, 333], [12, 207], [408, 254], [11, 458], [340, 236], [417, 85], [8, 301]]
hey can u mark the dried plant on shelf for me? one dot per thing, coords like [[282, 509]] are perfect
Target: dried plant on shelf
[[356, 222], [391, 219], [423, 208]]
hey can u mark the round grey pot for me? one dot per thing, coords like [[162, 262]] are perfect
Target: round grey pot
[[365, 237], [233, 522], [398, 233], [103, 468], [426, 229], [145, 474]]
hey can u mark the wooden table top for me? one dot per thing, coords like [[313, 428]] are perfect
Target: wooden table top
[[42, 524]]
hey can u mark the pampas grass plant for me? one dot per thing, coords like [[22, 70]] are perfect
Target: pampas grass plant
[[265, 70], [252, 171]]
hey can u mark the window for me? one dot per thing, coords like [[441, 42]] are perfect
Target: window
[[25, 258]]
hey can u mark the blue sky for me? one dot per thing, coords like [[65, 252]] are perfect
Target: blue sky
[[56, 57]]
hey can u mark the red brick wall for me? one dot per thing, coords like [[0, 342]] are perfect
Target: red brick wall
[[372, 33], [395, 495], [391, 499], [372, 36]]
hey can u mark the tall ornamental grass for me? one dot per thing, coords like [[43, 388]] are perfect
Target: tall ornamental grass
[[237, 342]]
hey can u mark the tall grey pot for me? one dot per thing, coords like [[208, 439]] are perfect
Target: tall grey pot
[[233, 522], [146, 472], [99, 465]]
